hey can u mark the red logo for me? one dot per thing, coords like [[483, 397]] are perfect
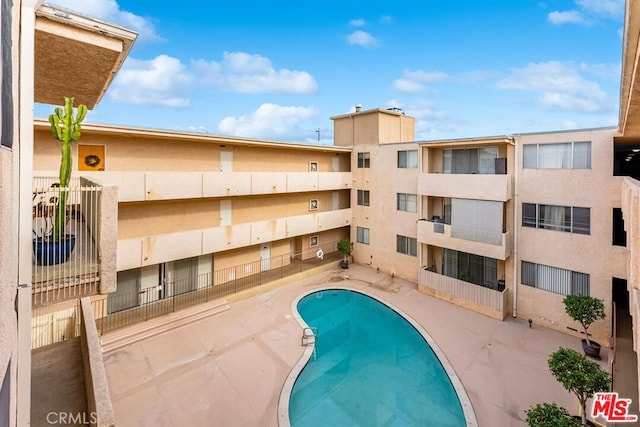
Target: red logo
[[612, 408]]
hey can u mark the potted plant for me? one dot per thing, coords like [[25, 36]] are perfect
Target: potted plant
[[55, 246], [585, 310], [550, 415], [580, 376], [345, 246]]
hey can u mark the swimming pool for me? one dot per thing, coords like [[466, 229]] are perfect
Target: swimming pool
[[371, 366]]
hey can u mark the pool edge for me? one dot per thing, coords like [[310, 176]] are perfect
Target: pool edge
[[285, 394]]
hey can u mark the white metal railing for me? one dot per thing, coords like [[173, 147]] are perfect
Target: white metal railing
[[66, 268], [485, 297]]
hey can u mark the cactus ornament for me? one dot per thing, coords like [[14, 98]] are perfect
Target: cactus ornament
[[65, 127]]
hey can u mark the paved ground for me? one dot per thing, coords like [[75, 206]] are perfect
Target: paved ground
[[57, 387], [229, 369]]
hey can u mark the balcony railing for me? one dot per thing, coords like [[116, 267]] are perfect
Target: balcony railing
[[59, 322], [143, 186], [478, 298], [466, 186], [68, 268], [140, 251], [438, 234]]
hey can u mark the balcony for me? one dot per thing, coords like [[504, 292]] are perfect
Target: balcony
[[143, 186], [463, 186], [90, 217], [483, 300], [439, 234], [138, 252]]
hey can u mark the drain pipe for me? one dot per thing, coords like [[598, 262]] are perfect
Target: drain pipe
[[514, 254]]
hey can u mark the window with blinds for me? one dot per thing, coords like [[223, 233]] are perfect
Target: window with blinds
[[407, 202], [554, 279], [406, 245], [567, 155]]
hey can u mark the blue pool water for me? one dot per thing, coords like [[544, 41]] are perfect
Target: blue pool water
[[371, 368]]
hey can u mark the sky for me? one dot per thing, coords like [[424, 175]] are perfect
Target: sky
[[278, 70]]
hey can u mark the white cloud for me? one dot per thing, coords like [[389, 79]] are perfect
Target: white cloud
[[109, 11], [606, 8], [566, 17], [246, 73], [559, 87], [357, 23], [416, 81], [361, 38], [268, 121], [408, 86], [159, 81]]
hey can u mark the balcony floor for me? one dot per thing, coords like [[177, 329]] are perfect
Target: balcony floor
[[231, 367]]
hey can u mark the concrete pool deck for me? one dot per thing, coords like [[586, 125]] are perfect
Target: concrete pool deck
[[229, 369]]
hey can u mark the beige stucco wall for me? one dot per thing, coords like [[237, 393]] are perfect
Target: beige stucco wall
[[126, 152], [162, 217], [384, 180], [594, 254], [372, 127]]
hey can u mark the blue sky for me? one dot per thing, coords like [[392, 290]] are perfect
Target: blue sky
[[279, 69]]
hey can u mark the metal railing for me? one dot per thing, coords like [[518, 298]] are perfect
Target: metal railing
[[66, 268], [124, 309]]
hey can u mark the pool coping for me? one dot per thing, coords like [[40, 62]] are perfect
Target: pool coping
[[287, 388]]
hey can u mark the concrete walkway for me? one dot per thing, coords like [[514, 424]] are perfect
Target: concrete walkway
[[57, 385], [229, 369]]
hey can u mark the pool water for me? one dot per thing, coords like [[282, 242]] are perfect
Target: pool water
[[370, 368]]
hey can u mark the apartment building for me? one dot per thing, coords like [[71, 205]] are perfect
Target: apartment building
[[195, 210]]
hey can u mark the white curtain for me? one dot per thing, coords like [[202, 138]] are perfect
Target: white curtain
[[477, 220], [554, 156]]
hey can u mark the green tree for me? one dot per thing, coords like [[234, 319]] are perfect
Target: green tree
[[550, 415], [578, 375], [585, 310]]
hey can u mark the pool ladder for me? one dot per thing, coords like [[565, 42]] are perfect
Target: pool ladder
[[309, 335]]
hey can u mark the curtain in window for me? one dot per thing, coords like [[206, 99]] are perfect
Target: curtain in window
[[185, 272], [529, 273], [477, 220], [446, 209], [530, 156], [582, 155], [555, 217], [491, 272], [553, 279], [579, 283], [446, 161], [450, 263], [554, 156], [487, 160]]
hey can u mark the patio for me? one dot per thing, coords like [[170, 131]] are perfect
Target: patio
[[228, 369]]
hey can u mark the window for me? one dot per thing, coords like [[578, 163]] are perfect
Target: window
[[553, 279], [406, 245], [364, 160], [407, 202], [567, 155], [559, 218], [363, 197], [470, 160], [471, 268], [362, 235], [408, 159]]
